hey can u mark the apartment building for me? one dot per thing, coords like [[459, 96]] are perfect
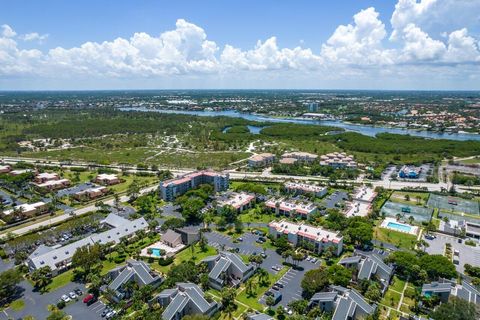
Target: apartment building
[[107, 179], [297, 234], [46, 176], [28, 209], [338, 160], [172, 188], [227, 268], [301, 156], [304, 188], [291, 207], [91, 193], [237, 200], [53, 184], [261, 160]]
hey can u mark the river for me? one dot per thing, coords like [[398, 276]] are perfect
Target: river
[[360, 128]]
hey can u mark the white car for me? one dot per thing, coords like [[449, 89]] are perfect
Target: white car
[[72, 295], [111, 314], [66, 298]]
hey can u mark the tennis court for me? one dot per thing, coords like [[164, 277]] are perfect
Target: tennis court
[[419, 214], [458, 217], [453, 204]]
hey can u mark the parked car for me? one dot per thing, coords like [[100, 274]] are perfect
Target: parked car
[[278, 284], [263, 255], [313, 260], [78, 291], [240, 239], [275, 287], [72, 295], [269, 293], [106, 311], [89, 299], [66, 298]]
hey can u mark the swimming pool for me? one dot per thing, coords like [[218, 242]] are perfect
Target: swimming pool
[[156, 253], [399, 226]]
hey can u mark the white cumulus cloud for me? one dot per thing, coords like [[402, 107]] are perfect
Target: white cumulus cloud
[[34, 36]]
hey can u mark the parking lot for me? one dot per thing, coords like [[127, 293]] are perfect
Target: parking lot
[[468, 254], [331, 201], [291, 280], [36, 304]]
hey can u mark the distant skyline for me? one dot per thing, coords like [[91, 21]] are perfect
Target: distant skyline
[[269, 44]]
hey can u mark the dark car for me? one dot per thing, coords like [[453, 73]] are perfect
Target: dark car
[[278, 284], [275, 287]]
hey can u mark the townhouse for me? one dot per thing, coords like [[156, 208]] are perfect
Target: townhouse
[[261, 160], [239, 201], [227, 268], [291, 208], [304, 188]]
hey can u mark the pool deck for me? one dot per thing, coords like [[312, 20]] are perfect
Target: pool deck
[[169, 251], [413, 229]]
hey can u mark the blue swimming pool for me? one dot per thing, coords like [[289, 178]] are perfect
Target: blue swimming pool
[[156, 253], [399, 227]]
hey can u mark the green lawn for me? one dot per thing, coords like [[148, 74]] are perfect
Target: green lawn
[[399, 239], [17, 305], [61, 280], [186, 255], [399, 196], [397, 284], [252, 217], [252, 299], [391, 299]]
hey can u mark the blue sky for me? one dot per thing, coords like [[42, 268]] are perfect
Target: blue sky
[[401, 44]]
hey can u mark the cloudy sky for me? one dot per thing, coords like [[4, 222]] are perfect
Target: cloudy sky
[[140, 44]]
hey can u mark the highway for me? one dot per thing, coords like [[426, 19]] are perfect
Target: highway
[[235, 175]]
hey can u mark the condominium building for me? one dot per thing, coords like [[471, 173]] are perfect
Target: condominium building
[[261, 160], [91, 193], [301, 156], [338, 160], [60, 258], [185, 299], [172, 188], [291, 207], [343, 303], [227, 268], [28, 209], [53, 184], [298, 234], [409, 172], [236, 200], [107, 179], [304, 188], [46, 176]]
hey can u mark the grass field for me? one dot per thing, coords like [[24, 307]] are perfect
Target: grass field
[[186, 255], [416, 198], [61, 280], [399, 239]]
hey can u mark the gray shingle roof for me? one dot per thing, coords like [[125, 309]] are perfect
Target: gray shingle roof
[[437, 287]]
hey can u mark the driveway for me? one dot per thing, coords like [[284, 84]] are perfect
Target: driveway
[[468, 254]]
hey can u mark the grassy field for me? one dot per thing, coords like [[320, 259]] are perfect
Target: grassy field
[[186, 255], [61, 280], [416, 198], [399, 239], [252, 217], [198, 159]]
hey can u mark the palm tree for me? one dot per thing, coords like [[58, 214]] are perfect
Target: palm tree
[[263, 276], [411, 219]]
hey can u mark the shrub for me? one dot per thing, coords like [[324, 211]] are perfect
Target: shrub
[[471, 243], [61, 304], [165, 261]]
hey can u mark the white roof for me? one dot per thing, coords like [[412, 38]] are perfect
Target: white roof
[[237, 200], [302, 207], [25, 207], [305, 230], [47, 175], [52, 183], [304, 187], [106, 176]]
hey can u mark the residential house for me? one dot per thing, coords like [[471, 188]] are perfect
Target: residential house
[[318, 239], [345, 304], [28, 209], [45, 176], [50, 185], [185, 299], [227, 268], [441, 290], [134, 271], [172, 188]]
